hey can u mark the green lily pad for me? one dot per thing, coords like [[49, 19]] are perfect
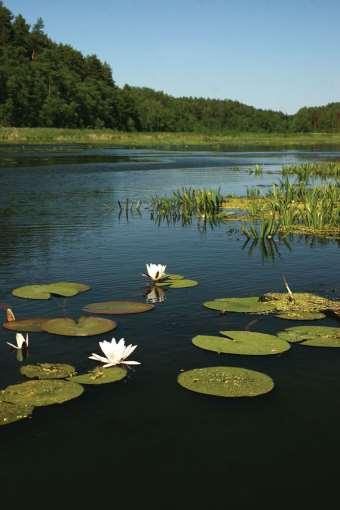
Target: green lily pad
[[29, 325], [101, 376], [41, 393], [242, 342], [9, 413], [226, 381], [118, 307], [85, 326], [48, 371], [244, 305], [301, 316], [44, 291], [183, 284], [313, 336], [174, 276]]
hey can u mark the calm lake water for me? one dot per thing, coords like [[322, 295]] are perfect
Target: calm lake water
[[146, 439]]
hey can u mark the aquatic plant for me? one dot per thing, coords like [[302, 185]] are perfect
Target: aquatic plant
[[41, 392], [10, 413], [21, 342], [48, 371], [226, 381], [44, 291], [84, 326], [118, 307], [101, 376], [305, 171], [31, 325], [155, 272], [267, 229], [313, 336], [242, 342], [115, 353]]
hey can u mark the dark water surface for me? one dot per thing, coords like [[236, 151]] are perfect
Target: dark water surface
[[147, 440]]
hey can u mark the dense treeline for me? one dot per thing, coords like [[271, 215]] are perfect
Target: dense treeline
[[53, 85]]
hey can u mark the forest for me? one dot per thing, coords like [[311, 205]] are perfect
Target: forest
[[48, 84]]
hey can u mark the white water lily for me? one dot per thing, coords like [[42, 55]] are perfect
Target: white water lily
[[115, 353], [155, 271], [22, 342]]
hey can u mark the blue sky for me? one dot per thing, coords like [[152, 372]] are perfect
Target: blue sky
[[279, 54]]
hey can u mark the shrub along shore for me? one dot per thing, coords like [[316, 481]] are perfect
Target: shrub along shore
[[11, 135]]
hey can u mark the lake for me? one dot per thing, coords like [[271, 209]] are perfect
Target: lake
[[146, 438]]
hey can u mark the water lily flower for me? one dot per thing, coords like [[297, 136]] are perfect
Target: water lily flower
[[22, 342], [115, 353], [10, 317], [155, 271]]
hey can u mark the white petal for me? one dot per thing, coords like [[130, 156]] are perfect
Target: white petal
[[14, 346], [20, 340], [130, 363], [108, 347], [96, 357], [129, 350]]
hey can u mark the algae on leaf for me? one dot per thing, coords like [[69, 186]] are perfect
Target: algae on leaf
[[9, 413], [41, 392], [101, 376], [44, 291], [226, 381], [242, 342], [313, 336], [85, 326], [48, 371], [301, 316]]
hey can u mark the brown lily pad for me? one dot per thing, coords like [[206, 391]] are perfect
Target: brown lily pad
[[29, 325], [118, 307]]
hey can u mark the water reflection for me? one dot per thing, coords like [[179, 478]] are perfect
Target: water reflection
[[269, 249], [154, 295]]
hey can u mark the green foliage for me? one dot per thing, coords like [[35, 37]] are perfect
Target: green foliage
[[44, 291], [84, 326], [41, 392], [48, 371], [118, 307], [226, 381], [242, 342], [101, 376], [9, 413]]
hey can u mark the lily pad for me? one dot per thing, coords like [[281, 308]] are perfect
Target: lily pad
[[182, 284], [85, 326], [174, 276], [313, 336], [9, 413], [41, 393], [44, 291], [242, 342], [242, 304], [29, 325], [101, 376], [301, 316], [118, 307], [272, 302], [226, 381], [48, 371]]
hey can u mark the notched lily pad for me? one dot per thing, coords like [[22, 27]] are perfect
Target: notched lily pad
[[242, 342], [41, 392], [101, 376], [28, 325], [313, 336], [48, 371], [242, 304], [301, 316], [118, 307], [44, 291], [9, 413], [226, 381], [272, 302], [85, 326]]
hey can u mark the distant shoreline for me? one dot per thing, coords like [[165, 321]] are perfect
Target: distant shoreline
[[30, 136]]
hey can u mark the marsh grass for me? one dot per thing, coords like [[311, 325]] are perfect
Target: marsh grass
[[12, 135]]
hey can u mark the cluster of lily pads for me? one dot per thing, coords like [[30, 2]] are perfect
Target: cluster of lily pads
[[239, 382], [54, 383]]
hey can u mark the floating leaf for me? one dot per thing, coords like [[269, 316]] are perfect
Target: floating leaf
[[313, 336], [118, 307], [245, 305], [182, 284], [29, 325], [10, 413], [272, 302], [242, 342], [101, 376], [48, 371], [226, 381], [85, 326], [301, 316], [174, 276], [41, 393], [44, 291]]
